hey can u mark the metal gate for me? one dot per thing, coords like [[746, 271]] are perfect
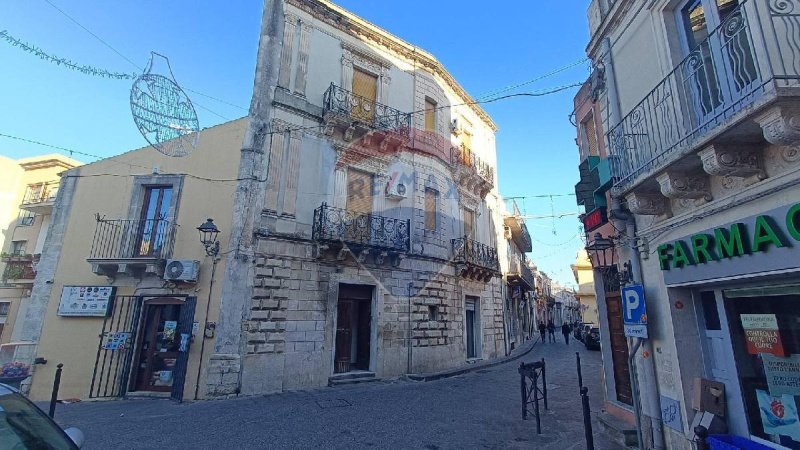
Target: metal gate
[[112, 366]]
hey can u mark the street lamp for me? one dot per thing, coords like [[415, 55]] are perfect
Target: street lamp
[[602, 253], [208, 237]]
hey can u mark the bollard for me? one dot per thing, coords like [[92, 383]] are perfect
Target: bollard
[[580, 374], [54, 396], [536, 403], [587, 419], [701, 433], [544, 384]]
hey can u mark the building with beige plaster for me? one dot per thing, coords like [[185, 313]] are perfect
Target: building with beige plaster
[[584, 277], [28, 190], [107, 302]]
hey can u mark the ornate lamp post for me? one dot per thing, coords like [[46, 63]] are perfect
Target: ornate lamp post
[[208, 237], [602, 254]]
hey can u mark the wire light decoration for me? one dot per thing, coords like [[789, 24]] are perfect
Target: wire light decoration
[[163, 112], [83, 68]]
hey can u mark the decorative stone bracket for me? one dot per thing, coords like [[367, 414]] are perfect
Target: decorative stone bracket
[[722, 161], [781, 126], [648, 204], [685, 185]]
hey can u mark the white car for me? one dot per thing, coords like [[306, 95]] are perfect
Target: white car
[[23, 426]]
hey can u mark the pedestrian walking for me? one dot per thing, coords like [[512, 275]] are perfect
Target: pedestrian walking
[[542, 330], [565, 330], [551, 330]]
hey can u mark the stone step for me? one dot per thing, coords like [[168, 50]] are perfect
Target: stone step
[[617, 430], [341, 379]]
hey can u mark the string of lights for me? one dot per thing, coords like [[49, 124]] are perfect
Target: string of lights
[[59, 61]]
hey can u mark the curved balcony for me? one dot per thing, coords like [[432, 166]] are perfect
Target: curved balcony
[[470, 172], [475, 260], [520, 274], [361, 234]]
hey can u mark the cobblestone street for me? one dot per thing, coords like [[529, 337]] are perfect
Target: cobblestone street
[[480, 409]]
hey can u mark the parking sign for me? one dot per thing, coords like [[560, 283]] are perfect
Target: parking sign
[[634, 312]]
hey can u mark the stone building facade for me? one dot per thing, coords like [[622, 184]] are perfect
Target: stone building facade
[[365, 231]]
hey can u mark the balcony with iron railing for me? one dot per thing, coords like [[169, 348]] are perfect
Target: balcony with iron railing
[[520, 273], [40, 197], [361, 234], [19, 272], [133, 247], [475, 260], [730, 89], [519, 231], [359, 117], [470, 172]]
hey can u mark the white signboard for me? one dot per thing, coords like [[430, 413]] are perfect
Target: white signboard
[[91, 301], [783, 374]]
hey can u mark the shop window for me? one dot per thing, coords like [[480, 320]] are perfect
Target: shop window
[[430, 115], [431, 199], [764, 327], [19, 247], [25, 218]]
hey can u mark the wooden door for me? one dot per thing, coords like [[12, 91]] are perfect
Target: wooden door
[[344, 335], [619, 348], [158, 347]]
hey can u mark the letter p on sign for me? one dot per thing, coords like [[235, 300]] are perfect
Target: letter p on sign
[[635, 316]]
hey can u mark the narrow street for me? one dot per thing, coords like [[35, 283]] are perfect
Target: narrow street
[[480, 409]]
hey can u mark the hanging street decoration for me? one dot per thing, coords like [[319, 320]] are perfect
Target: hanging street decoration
[[89, 70], [163, 112]]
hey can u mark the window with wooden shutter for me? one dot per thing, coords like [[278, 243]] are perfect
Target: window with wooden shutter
[[469, 223], [589, 136], [359, 191], [430, 115], [466, 139], [365, 86], [431, 199]]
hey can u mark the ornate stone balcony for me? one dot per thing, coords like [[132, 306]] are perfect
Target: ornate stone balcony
[[470, 172], [475, 260], [520, 273], [711, 115], [360, 117], [360, 234]]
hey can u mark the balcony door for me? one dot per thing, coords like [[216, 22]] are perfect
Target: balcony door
[[719, 68], [358, 221], [153, 226], [365, 86]]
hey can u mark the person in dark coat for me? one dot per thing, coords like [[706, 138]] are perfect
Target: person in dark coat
[[551, 330], [565, 329], [542, 330]]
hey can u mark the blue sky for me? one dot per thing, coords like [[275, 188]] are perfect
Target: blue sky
[[212, 46]]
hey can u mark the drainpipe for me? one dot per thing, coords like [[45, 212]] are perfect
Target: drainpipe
[[650, 388], [410, 346]]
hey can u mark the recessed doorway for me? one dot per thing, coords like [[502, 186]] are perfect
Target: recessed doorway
[[353, 329]]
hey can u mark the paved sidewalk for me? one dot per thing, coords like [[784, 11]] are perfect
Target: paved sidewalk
[[480, 409]]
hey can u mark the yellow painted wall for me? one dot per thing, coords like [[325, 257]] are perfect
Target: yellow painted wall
[[584, 276], [105, 187]]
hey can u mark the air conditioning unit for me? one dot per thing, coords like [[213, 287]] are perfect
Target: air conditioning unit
[[455, 127], [397, 190], [185, 270], [397, 186], [507, 233]]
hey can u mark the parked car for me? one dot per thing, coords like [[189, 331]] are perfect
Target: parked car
[[24, 426], [581, 330], [592, 339]]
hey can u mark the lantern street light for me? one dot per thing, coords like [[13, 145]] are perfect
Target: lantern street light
[[602, 253], [208, 237]]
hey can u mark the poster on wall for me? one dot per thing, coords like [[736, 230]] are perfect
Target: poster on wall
[[783, 374], [116, 341], [762, 335], [778, 414], [85, 301]]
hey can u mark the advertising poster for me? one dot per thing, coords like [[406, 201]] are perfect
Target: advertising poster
[[116, 341], [91, 301], [783, 374], [761, 334], [778, 414]]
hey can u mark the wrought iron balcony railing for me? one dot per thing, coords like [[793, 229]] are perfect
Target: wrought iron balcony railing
[[121, 239], [19, 271], [40, 193], [360, 229], [471, 252], [361, 109], [464, 156], [754, 51], [518, 267]]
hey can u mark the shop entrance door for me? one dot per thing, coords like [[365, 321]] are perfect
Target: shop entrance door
[[353, 329], [471, 325], [619, 348], [163, 346]]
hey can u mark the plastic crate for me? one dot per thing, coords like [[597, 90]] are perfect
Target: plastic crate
[[731, 442]]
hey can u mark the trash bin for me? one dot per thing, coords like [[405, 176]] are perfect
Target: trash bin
[[731, 442]]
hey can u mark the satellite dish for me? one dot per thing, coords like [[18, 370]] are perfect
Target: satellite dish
[[163, 112]]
